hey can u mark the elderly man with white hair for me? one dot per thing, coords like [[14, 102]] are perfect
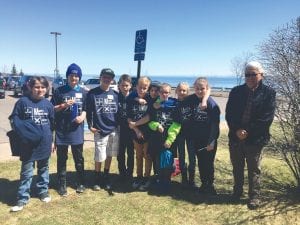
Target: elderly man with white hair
[[249, 115]]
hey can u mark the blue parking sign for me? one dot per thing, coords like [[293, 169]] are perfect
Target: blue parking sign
[[140, 41]]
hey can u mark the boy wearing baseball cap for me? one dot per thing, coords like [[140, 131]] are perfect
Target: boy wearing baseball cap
[[102, 109]]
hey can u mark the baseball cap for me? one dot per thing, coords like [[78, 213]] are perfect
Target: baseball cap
[[107, 71]]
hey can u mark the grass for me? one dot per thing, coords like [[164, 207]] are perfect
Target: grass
[[280, 204]]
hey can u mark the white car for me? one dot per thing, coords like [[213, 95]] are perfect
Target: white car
[[95, 82]]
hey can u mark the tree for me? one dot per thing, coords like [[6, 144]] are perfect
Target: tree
[[14, 70], [238, 64], [280, 54]]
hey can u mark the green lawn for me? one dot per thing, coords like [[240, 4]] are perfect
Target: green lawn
[[280, 205]]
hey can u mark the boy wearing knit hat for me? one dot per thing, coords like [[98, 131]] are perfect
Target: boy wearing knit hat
[[70, 113]]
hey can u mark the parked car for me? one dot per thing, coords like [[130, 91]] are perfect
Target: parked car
[[57, 82], [22, 86], [95, 82], [2, 87], [12, 82]]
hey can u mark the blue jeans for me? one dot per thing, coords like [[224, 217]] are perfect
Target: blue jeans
[[26, 175]]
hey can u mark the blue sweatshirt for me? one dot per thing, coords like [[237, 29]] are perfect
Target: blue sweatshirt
[[41, 112], [102, 110]]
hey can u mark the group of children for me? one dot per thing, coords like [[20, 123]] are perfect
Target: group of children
[[145, 122]]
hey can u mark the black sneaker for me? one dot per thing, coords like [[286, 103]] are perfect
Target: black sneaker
[[107, 183], [137, 183], [211, 190], [62, 190], [235, 198], [80, 188], [253, 204], [202, 189]]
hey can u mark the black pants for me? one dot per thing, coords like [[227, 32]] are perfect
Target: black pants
[[126, 143], [251, 154], [206, 165], [62, 156]]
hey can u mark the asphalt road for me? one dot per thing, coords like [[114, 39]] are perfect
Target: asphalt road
[[6, 107]]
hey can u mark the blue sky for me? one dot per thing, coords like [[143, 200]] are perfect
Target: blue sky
[[185, 37]]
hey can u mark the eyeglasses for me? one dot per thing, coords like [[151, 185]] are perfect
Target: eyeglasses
[[251, 74]]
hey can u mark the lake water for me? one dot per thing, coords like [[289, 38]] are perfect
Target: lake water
[[219, 82]]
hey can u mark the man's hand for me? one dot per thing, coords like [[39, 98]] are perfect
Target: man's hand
[[160, 128], [94, 130], [241, 134]]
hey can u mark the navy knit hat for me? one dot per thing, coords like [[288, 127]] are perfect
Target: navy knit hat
[[74, 69]]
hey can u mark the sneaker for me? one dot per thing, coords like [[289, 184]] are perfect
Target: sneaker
[[137, 183], [96, 187], [253, 204], [145, 185], [80, 188], [18, 207], [45, 197], [211, 190], [107, 183], [62, 191], [202, 189]]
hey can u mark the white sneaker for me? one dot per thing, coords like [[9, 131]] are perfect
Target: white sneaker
[[17, 207], [46, 199]]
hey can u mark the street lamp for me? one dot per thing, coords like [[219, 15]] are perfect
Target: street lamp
[[56, 72]]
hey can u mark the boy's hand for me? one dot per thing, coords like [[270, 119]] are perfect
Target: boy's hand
[[160, 128], [53, 147], [94, 130], [142, 101], [203, 105], [167, 145], [156, 105]]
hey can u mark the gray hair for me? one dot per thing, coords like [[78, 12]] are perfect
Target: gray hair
[[254, 65]]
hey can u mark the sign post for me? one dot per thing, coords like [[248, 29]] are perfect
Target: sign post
[[140, 48]]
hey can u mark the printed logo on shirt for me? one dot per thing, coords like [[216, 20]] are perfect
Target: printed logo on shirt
[[164, 118], [200, 115], [38, 116], [106, 105], [139, 111], [186, 113]]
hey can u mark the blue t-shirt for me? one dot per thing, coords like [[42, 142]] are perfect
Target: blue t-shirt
[[41, 112], [102, 110], [69, 132]]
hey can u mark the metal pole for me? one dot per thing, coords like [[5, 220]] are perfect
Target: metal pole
[[56, 72], [139, 69]]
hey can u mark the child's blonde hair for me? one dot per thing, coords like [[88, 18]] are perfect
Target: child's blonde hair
[[163, 85], [183, 84], [201, 80], [145, 80]]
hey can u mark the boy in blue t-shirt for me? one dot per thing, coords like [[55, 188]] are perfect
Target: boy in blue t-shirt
[[70, 113], [102, 115]]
